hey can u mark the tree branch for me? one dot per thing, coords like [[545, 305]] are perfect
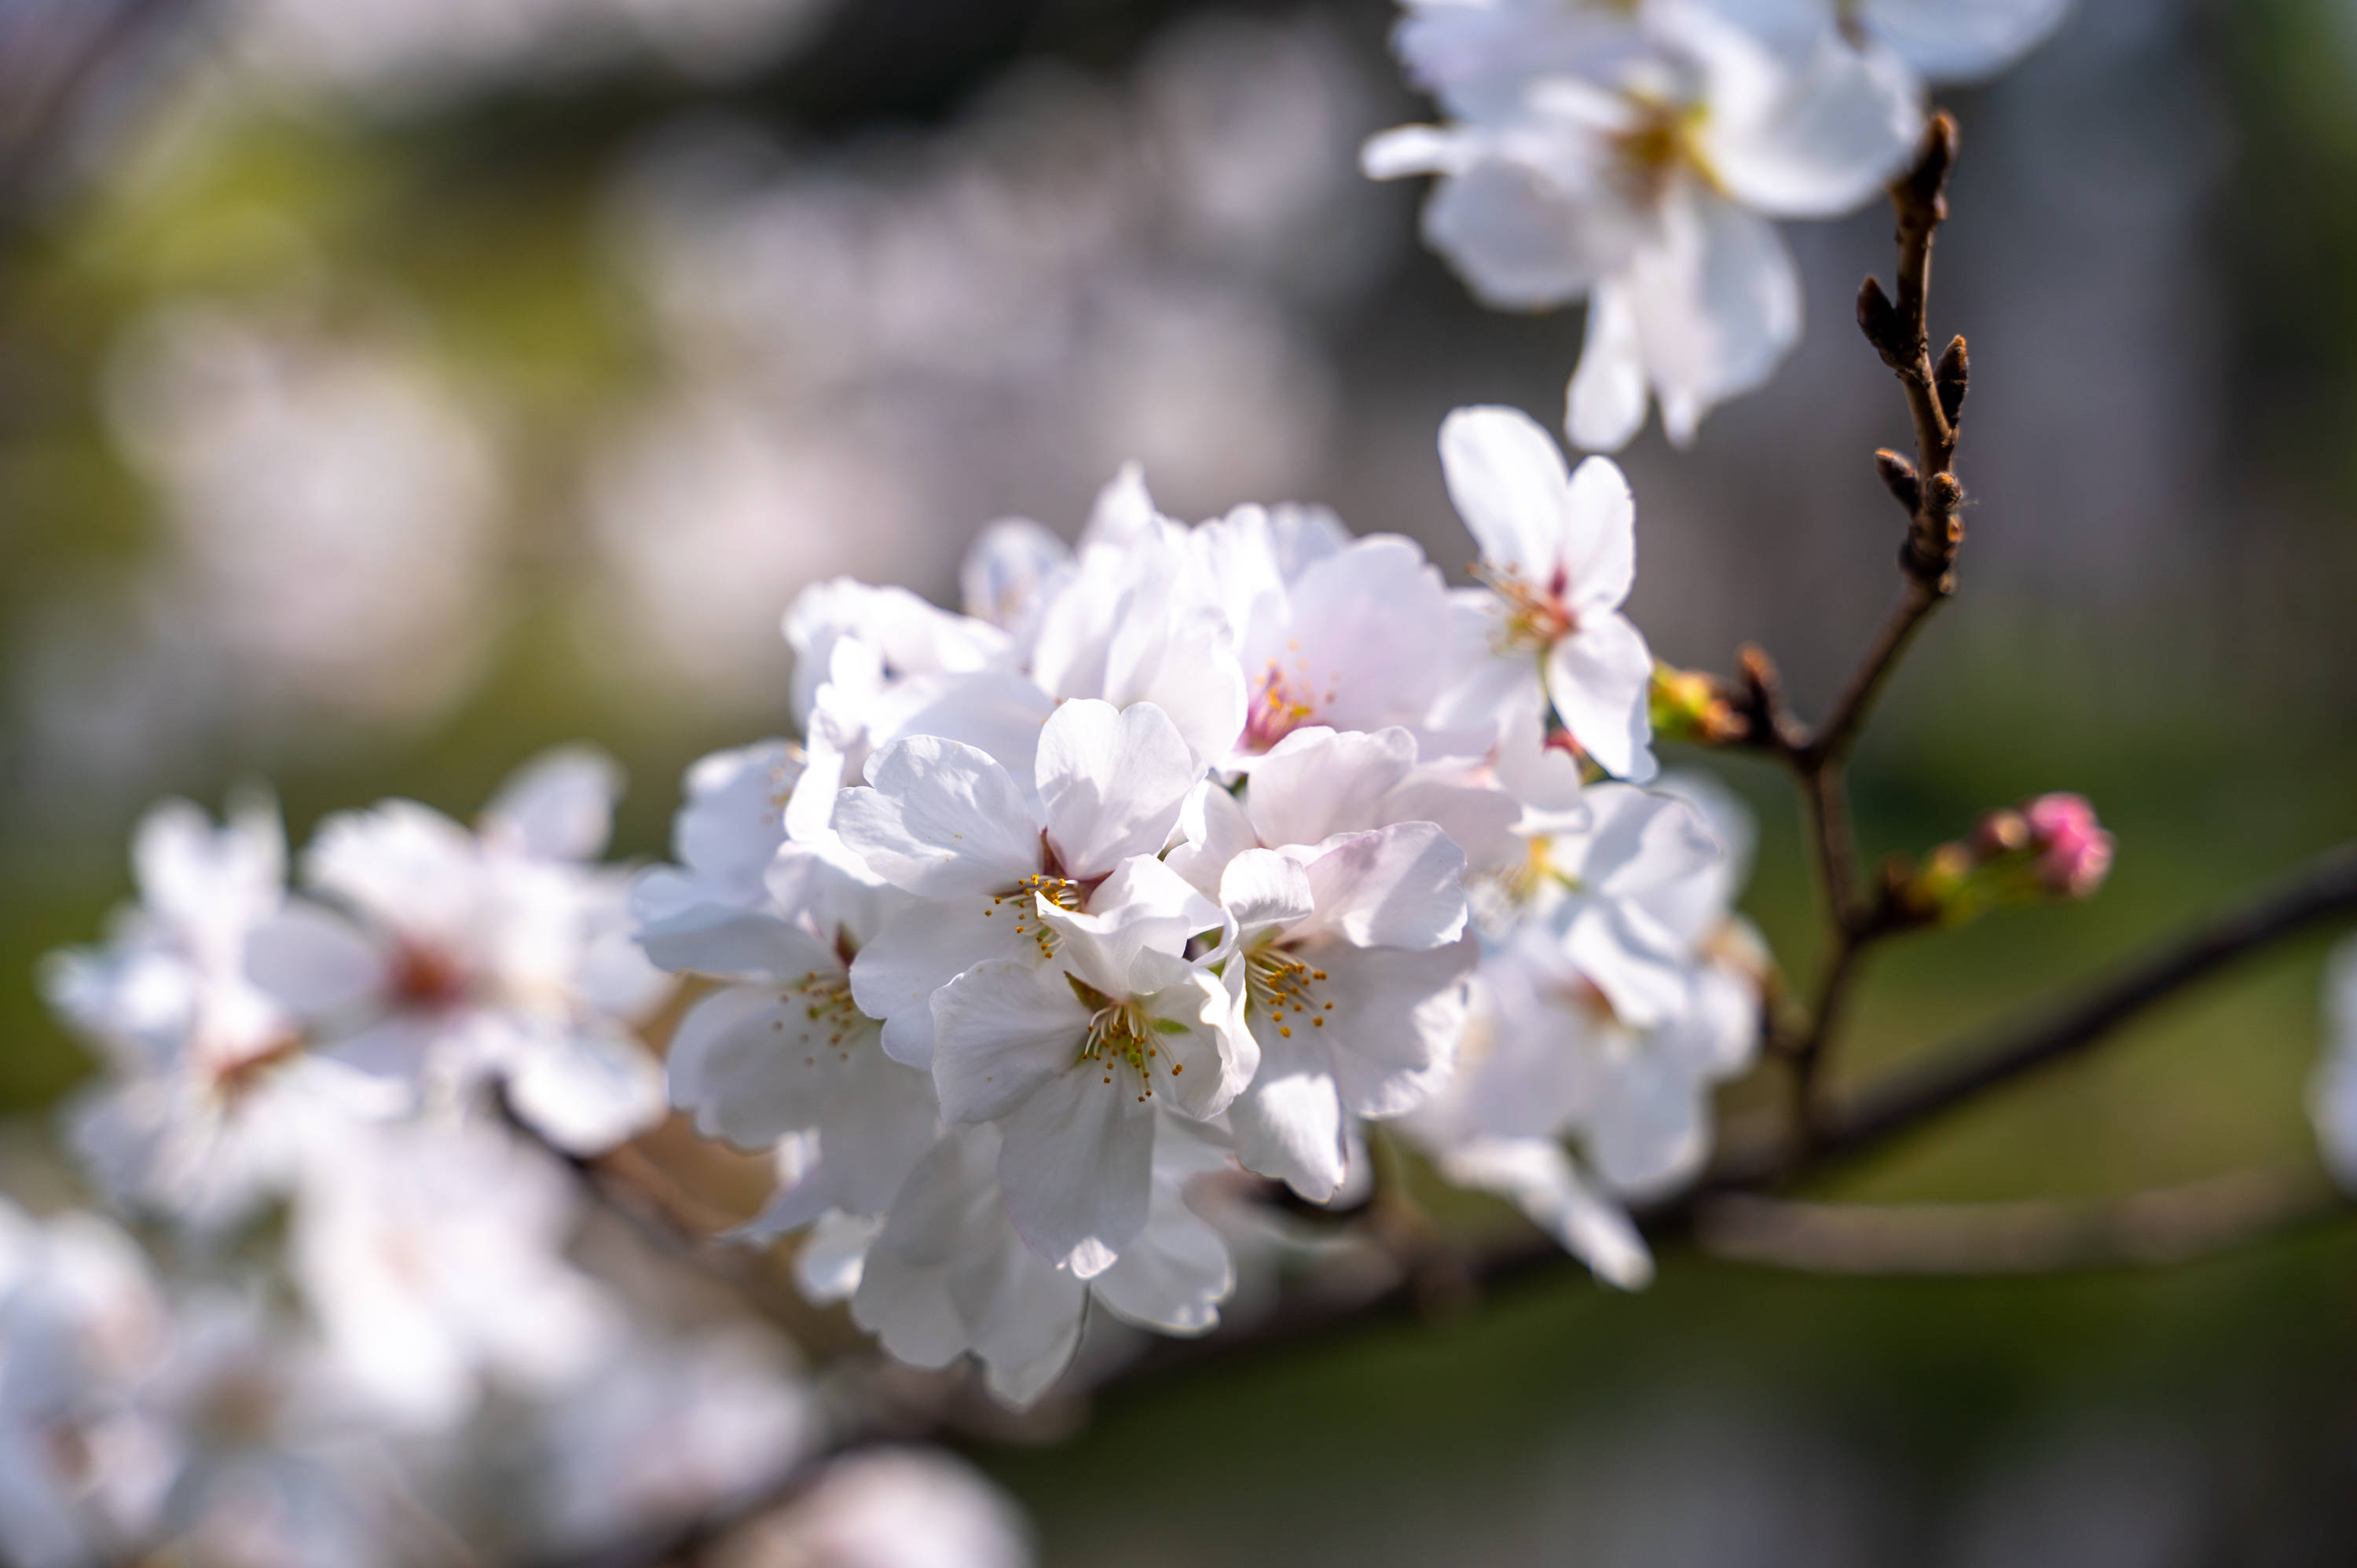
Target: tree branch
[[2146, 1229]]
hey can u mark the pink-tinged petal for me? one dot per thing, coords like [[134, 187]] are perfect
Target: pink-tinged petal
[[1316, 783], [1604, 406], [1507, 479], [1000, 1031], [1358, 651], [1395, 1021], [1598, 678], [1075, 1164], [921, 950], [1288, 1124], [942, 819], [995, 712], [1600, 537], [1113, 782], [1400, 886], [1478, 817]]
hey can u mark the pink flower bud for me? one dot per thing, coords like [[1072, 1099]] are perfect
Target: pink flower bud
[[2074, 853]]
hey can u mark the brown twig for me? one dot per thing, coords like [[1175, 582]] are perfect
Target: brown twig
[[2146, 1229], [1901, 333]]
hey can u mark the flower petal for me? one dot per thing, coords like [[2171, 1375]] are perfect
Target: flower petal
[[1111, 781], [940, 819], [1599, 679], [1075, 1164], [1507, 479]]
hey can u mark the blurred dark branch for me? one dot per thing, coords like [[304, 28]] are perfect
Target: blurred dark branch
[[2146, 1229]]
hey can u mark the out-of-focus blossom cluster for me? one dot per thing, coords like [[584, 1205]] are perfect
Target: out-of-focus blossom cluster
[[351, 1110], [400, 54], [862, 343], [1637, 155], [1196, 847]]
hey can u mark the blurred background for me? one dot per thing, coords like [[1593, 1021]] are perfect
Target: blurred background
[[389, 388]]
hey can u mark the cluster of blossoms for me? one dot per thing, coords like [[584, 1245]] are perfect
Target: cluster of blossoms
[[1193, 848], [1635, 154], [391, 1322]]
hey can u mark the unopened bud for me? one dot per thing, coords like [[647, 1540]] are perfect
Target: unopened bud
[[1945, 493], [1951, 377], [1899, 477], [1878, 319], [1689, 705], [1927, 180], [2074, 850], [2051, 847]]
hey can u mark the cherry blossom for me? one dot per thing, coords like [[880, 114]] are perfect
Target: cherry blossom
[[1639, 164], [1558, 556]]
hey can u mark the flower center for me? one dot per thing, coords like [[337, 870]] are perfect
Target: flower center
[[1121, 1035], [1282, 700], [1536, 619], [1062, 891], [1282, 988], [824, 997], [425, 978], [1662, 143]]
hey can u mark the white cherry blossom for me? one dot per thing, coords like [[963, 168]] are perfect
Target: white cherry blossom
[[1077, 1059], [1639, 165], [784, 1056], [446, 958], [1559, 557], [432, 1256], [212, 1092], [948, 824]]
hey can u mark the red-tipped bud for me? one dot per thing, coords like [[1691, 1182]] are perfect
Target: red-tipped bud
[[2074, 850]]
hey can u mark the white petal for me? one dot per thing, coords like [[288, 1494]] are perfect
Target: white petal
[[1817, 142], [921, 950], [1316, 783], [1075, 1164], [1540, 1178], [314, 961], [1001, 1031], [1599, 679], [1212, 831], [752, 1065], [560, 806], [1400, 886], [588, 1089], [827, 1265], [734, 944], [1718, 305], [1261, 888], [1515, 241], [1604, 406], [1507, 479], [1395, 1022], [1948, 42], [1599, 548], [942, 819], [1289, 1124], [1111, 781]]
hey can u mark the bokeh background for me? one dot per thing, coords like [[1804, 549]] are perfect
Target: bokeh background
[[389, 388]]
